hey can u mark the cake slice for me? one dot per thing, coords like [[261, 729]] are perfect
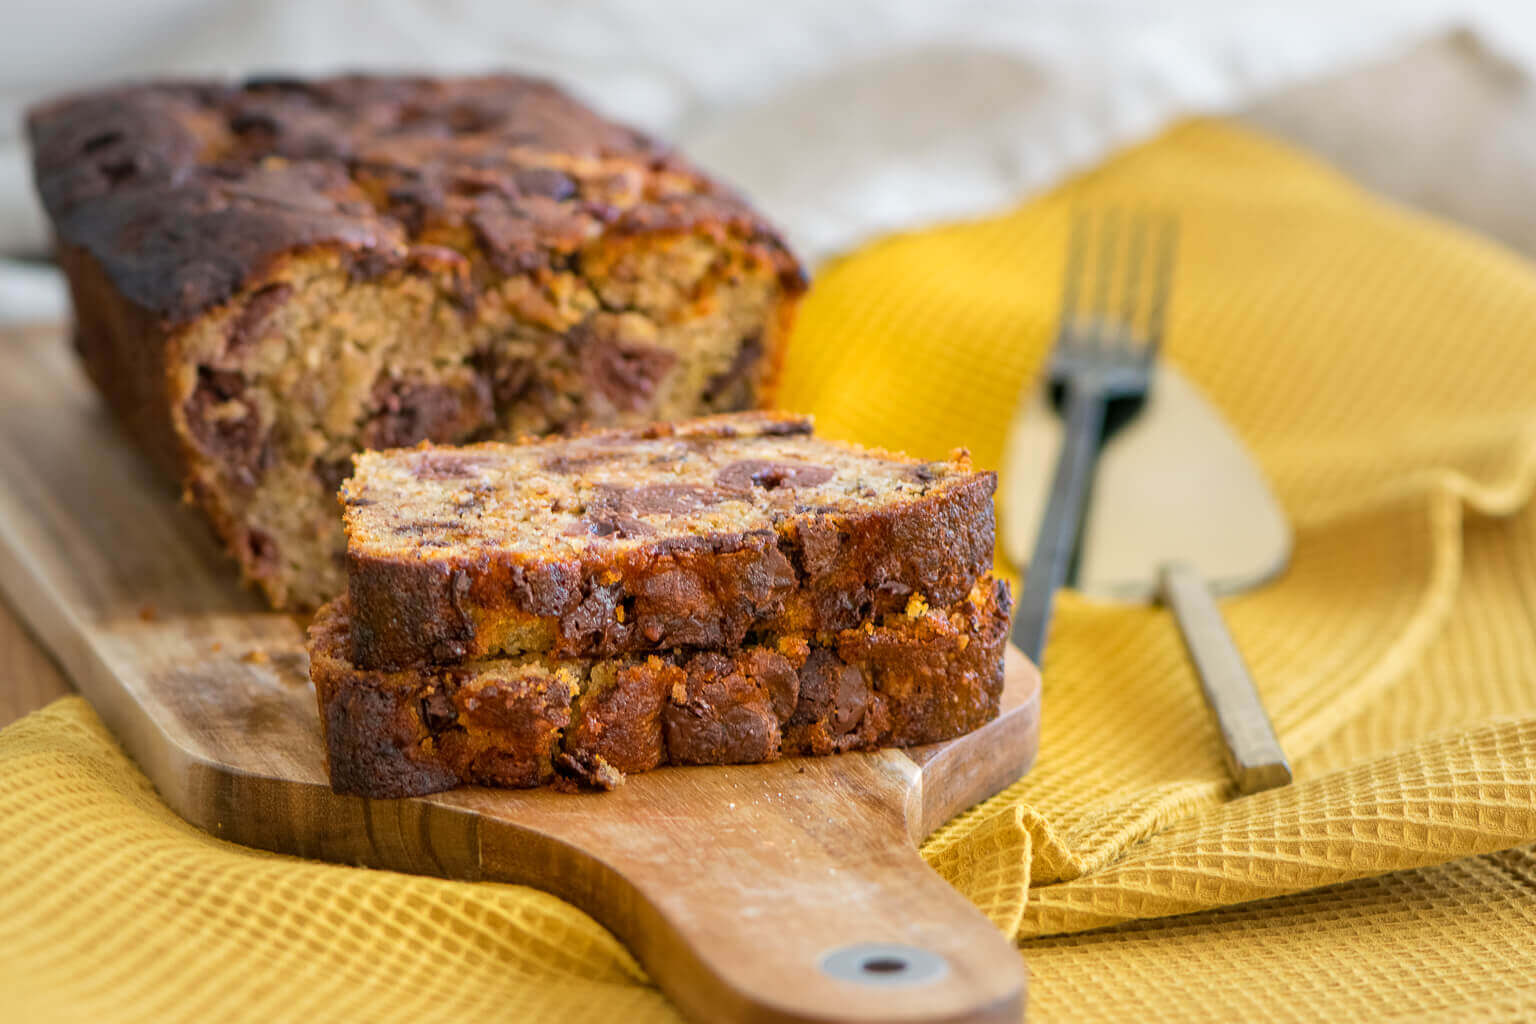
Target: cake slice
[[917, 675], [696, 534]]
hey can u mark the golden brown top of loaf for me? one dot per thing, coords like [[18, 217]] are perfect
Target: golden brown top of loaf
[[186, 191]]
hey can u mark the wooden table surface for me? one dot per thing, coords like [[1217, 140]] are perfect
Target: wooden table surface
[[29, 677], [1445, 127]]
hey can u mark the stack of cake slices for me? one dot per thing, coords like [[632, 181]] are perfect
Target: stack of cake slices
[[719, 591]]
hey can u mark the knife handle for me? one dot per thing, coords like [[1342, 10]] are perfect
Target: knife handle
[[1051, 559], [1253, 751]]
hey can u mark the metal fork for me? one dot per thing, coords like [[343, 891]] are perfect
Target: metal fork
[[1099, 373]]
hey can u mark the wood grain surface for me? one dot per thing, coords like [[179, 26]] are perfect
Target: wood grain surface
[[737, 887], [29, 677]]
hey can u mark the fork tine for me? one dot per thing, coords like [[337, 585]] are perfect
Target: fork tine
[[1157, 308], [1072, 278], [1104, 274], [1131, 288]]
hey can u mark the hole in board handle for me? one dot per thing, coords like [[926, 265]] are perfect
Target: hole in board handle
[[884, 964]]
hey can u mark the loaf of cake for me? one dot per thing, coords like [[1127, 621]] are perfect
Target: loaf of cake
[[268, 277], [697, 534], [918, 675]]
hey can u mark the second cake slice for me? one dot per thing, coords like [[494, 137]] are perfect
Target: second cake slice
[[916, 676], [689, 535]]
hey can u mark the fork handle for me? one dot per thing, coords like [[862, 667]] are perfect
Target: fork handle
[[1057, 539], [1254, 756]]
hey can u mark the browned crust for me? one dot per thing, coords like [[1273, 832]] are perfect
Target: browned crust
[[816, 572], [185, 192], [125, 352], [907, 681]]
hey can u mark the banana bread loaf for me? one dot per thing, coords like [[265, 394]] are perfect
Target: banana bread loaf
[[691, 534], [271, 276], [918, 675]]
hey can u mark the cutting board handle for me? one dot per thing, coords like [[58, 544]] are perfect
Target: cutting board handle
[[810, 905], [786, 892]]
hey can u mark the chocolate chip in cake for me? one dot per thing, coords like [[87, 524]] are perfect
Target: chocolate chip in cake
[[608, 523], [626, 375], [412, 410], [832, 692], [660, 499], [567, 465], [509, 374], [732, 386], [226, 425], [247, 326], [445, 465], [771, 475], [438, 711]]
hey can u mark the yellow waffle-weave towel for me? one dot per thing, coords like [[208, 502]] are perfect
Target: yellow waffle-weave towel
[[1383, 369]]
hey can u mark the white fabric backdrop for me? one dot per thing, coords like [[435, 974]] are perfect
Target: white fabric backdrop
[[841, 118]]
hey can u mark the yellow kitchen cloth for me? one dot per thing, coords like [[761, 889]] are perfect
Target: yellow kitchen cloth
[[1381, 366]]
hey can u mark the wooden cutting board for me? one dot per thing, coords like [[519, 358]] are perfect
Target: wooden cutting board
[[782, 892]]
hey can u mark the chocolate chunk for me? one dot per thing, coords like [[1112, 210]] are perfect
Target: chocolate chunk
[[411, 411], [731, 388], [723, 717], [227, 426], [626, 375], [246, 328], [772, 672], [588, 769], [445, 465], [832, 693], [567, 465], [659, 499], [771, 475], [438, 711], [508, 374], [592, 620], [924, 473], [607, 523]]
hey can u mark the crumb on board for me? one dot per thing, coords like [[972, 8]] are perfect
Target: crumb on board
[[148, 612], [255, 656], [217, 647]]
